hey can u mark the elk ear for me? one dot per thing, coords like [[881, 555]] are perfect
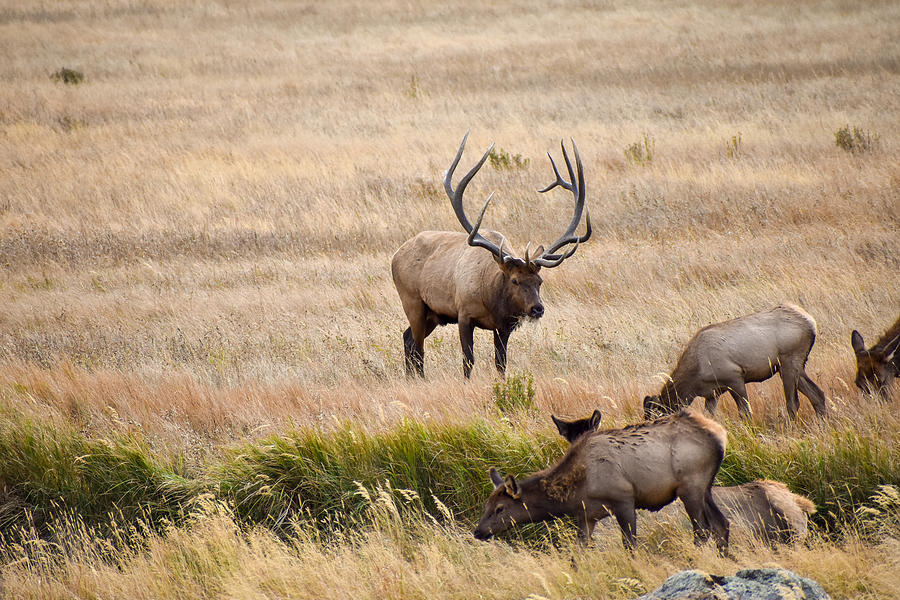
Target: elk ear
[[495, 477], [595, 419], [856, 340], [512, 488], [561, 426]]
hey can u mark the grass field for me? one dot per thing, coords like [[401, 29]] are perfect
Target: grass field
[[200, 342]]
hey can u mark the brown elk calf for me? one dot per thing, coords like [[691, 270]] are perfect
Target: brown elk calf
[[615, 472], [767, 509], [474, 279], [726, 356], [877, 367]]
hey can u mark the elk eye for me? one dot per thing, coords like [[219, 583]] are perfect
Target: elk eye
[[515, 282], [498, 510]]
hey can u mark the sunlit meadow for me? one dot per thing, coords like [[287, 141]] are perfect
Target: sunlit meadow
[[201, 369]]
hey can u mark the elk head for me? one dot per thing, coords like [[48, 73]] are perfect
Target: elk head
[[522, 281], [504, 507], [876, 367]]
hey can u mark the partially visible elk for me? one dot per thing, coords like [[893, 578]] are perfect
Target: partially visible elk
[[615, 472], [877, 367], [767, 509], [574, 429], [726, 356], [474, 278]]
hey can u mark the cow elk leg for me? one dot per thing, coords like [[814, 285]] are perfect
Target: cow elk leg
[[815, 395], [414, 354], [790, 379], [694, 506], [627, 519], [712, 403], [585, 529], [738, 391], [717, 523], [501, 337], [467, 341]]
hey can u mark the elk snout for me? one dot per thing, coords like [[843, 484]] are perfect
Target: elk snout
[[537, 311], [481, 534]]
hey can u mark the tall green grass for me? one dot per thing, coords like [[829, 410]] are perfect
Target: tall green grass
[[51, 471]]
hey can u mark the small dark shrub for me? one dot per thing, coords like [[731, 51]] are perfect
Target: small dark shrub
[[855, 140], [733, 146], [641, 153], [515, 393], [68, 76], [501, 160]]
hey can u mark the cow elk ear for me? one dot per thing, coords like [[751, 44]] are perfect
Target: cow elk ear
[[495, 477], [856, 340], [512, 488], [561, 426], [595, 419]]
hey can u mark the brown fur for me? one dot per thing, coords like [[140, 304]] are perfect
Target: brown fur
[[877, 367], [613, 472], [726, 356], [767, 509], [443, 280]]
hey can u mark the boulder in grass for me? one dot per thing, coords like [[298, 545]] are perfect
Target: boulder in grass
[[749, 584]]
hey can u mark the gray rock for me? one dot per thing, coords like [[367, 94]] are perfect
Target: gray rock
[[749, 584]]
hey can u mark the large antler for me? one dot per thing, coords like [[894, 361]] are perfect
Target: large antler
[[456, 196], [547, 258]]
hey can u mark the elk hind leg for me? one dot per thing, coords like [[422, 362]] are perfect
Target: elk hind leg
[[815, 395], [718, 524], [790, 379], [421, 323], [695, 506]]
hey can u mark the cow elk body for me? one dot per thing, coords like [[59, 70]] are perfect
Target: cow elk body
[[766, 509], [877, 367], [726, 356], [615, 472], [473, 278]]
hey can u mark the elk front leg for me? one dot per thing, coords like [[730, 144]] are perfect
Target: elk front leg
[[627, 519], [501, 337], [738, 391], [467, 341]]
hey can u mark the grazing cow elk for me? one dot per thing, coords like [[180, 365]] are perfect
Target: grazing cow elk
[[726, 356], [765, 508], [877, 367], [613, 473], [473, 278]]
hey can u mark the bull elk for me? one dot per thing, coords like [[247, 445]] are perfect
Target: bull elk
[[615, 472], [877, 367], [474, 278], [766, 509], [726, 356]]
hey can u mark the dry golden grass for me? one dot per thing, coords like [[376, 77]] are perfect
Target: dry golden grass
[[195, 241]]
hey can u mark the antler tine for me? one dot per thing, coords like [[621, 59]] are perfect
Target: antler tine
[[559, 180], [554, 260], [476, 239], [548, 258], [456, 196]]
